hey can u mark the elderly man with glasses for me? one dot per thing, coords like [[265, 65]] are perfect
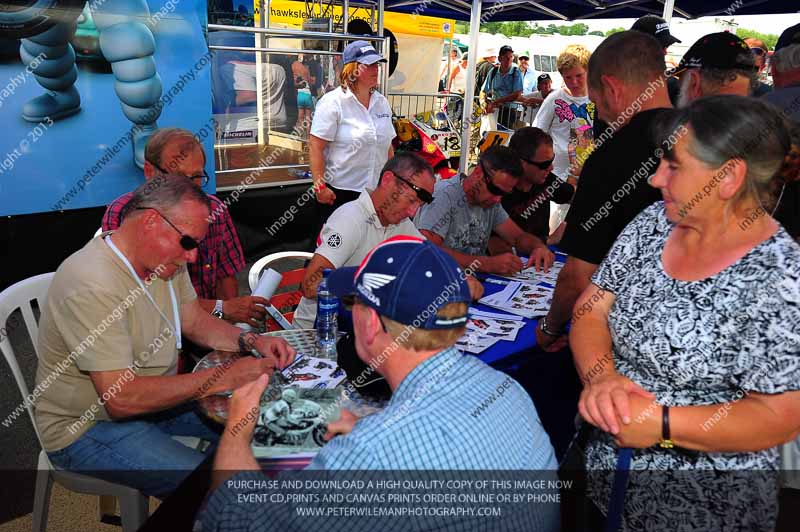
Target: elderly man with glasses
[[466, 209], [117, 313], [175, 152]]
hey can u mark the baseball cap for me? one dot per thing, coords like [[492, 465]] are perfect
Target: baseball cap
[[505, 48], [657, 27], [524, 57], [722, 50], [789, 37], [490, 52], [361, 52], [407, 279], [542, 78]]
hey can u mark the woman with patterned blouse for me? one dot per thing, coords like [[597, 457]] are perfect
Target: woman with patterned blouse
[[698, 318]]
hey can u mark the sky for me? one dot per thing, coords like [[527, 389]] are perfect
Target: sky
[[762, 23]]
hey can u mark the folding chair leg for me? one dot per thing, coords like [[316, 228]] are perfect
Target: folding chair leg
[[41, 498], [133, 509]]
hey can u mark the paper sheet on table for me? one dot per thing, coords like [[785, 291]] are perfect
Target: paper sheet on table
[[500, 329], [530, 275], [473, 342], [522, 299], [479, 313], [312, 372]]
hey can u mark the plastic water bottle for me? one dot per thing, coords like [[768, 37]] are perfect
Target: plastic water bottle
[[327, 328]]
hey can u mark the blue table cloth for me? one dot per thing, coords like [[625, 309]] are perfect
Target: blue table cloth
[[549, 378]]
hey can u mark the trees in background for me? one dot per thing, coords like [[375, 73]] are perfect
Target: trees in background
[[769, 38], [522, 28]]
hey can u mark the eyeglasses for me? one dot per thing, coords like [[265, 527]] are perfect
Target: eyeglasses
[[493, 189], [188, 243], [758, 51], [202, 177], [541, 165], [423, 195]]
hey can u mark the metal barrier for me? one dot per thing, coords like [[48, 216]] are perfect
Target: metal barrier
[[411, 104], [437, 114]]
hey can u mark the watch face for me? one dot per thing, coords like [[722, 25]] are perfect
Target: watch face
[[217, 313]]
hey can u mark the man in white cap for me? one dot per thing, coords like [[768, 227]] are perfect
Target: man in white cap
[[482, 69]]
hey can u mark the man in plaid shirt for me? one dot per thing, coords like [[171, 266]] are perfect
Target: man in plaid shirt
[[173, 152]]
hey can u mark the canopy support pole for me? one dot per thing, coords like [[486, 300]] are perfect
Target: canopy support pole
[[668, 8], [469, 90]]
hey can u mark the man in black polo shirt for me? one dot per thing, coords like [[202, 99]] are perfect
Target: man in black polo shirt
[[528, 203], [630, 96]]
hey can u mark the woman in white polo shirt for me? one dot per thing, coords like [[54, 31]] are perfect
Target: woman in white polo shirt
[[351, 133]]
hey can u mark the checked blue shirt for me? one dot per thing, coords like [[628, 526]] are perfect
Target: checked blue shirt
[[452, 413]]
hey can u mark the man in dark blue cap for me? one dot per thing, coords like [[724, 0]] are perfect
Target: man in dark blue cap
[[449, 411]]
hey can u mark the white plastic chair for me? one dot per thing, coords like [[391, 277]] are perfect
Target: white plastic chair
[[265, 262], [134, 506], [287, 300]]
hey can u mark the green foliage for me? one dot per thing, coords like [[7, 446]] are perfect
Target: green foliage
[[769, 38], [598, 33], [462, 27], [612, 31], [521, 28]]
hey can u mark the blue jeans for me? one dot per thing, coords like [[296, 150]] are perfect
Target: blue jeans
[[140, 452]]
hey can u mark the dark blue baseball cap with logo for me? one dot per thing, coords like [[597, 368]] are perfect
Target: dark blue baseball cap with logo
[[361, 52], [408, 280]]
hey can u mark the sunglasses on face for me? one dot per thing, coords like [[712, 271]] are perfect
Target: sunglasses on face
[[203, 178], [541, 165], [423, 195], [758, 51], [493, 189], [188, 243]]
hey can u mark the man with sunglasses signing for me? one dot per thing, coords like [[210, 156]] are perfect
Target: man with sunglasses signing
[[466, 210], [117, 313], [172, 152], [529, 203], [406, 183]]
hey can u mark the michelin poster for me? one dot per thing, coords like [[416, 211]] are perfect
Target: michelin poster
[[82, 87]]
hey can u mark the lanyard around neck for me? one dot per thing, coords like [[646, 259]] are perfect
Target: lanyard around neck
[[176, 328]]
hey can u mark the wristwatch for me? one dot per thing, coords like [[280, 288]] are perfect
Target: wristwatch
[[665, 442], [545, 329], [217, 309]]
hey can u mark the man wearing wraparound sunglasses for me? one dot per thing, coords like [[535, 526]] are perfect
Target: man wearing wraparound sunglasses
[[466, 210], [528, 204], [406, 183], [176, 152]]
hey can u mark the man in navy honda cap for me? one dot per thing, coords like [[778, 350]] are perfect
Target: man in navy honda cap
[[449, 411]]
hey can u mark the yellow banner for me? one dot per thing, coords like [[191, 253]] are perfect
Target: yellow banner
[[292, 14]]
